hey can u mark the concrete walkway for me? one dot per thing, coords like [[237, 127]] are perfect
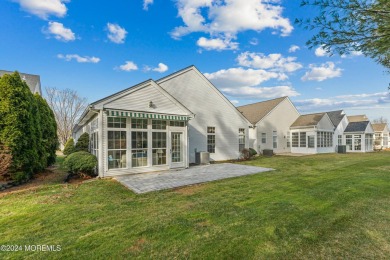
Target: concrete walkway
[[147, 182]]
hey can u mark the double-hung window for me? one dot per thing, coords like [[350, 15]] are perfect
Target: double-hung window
[[263, 138], [274, 139]]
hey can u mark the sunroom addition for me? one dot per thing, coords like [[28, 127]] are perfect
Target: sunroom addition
[[145, 141]]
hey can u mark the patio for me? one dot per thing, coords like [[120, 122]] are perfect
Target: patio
[[147, 182]]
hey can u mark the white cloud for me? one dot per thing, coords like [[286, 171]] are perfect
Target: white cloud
[[240, 77], [352, 54], [44, 8], [161, 68], [293, 48], [234, 102], [370, 100], [254, 41], [321, 52], [217, 44], [274, 61], [116, 33], [128, 66], [78, 58], [260, 92], [59, 32], [147, 3], [224, 19], [325, 71]]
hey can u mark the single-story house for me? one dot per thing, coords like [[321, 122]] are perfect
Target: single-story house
[[358, 135], [381, 135], [160, 125], [340, 123], [32, 81], [312, 133], [271, 121]]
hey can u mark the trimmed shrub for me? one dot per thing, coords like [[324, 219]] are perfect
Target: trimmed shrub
[[81, 163], [252, 152], [69, 147], [83, 143], [245, 154]]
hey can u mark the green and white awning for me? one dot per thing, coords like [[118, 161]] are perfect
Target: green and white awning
[[116, 113]]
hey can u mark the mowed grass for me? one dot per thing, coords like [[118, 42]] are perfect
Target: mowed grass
[[313, 207]]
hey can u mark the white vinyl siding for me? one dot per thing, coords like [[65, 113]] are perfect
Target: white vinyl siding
[[211, 108]]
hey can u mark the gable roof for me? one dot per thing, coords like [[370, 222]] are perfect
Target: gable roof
[[379, 127], [32, 81], [357, 118], [336, 117], [308, 120], [209, 83], [356, 127], [257, 111], [100, 104]]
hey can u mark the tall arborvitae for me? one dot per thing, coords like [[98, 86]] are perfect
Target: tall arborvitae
[[17, 127], [48, 128]]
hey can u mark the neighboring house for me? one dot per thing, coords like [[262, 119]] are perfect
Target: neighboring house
[[32, 81], [381, 135], [271, 121], [312, 133], [159, 125], [340, 123], [358, 135]]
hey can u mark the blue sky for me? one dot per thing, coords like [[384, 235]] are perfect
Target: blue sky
[[251, 50]]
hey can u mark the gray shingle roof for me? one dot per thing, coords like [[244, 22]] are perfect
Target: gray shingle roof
[[257, 111], [356, 127], [336, 117], [308, 120], [32, 81]]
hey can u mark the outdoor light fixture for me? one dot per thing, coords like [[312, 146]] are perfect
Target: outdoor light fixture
[[150, 103]]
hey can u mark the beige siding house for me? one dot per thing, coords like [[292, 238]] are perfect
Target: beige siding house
[[312, 133], [270, 121], [381, 135], [359, 134]]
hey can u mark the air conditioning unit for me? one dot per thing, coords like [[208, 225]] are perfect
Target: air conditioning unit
[[342, 149], [202, 158]]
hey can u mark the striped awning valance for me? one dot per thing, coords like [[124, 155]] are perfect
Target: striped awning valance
[[145, 115]]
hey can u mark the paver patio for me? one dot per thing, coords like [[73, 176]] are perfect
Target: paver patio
[[147, 182]]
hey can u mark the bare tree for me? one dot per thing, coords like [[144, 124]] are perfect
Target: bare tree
[[67, 106], [380, 120]]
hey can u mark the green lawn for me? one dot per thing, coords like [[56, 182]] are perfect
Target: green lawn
[[322, 206]]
